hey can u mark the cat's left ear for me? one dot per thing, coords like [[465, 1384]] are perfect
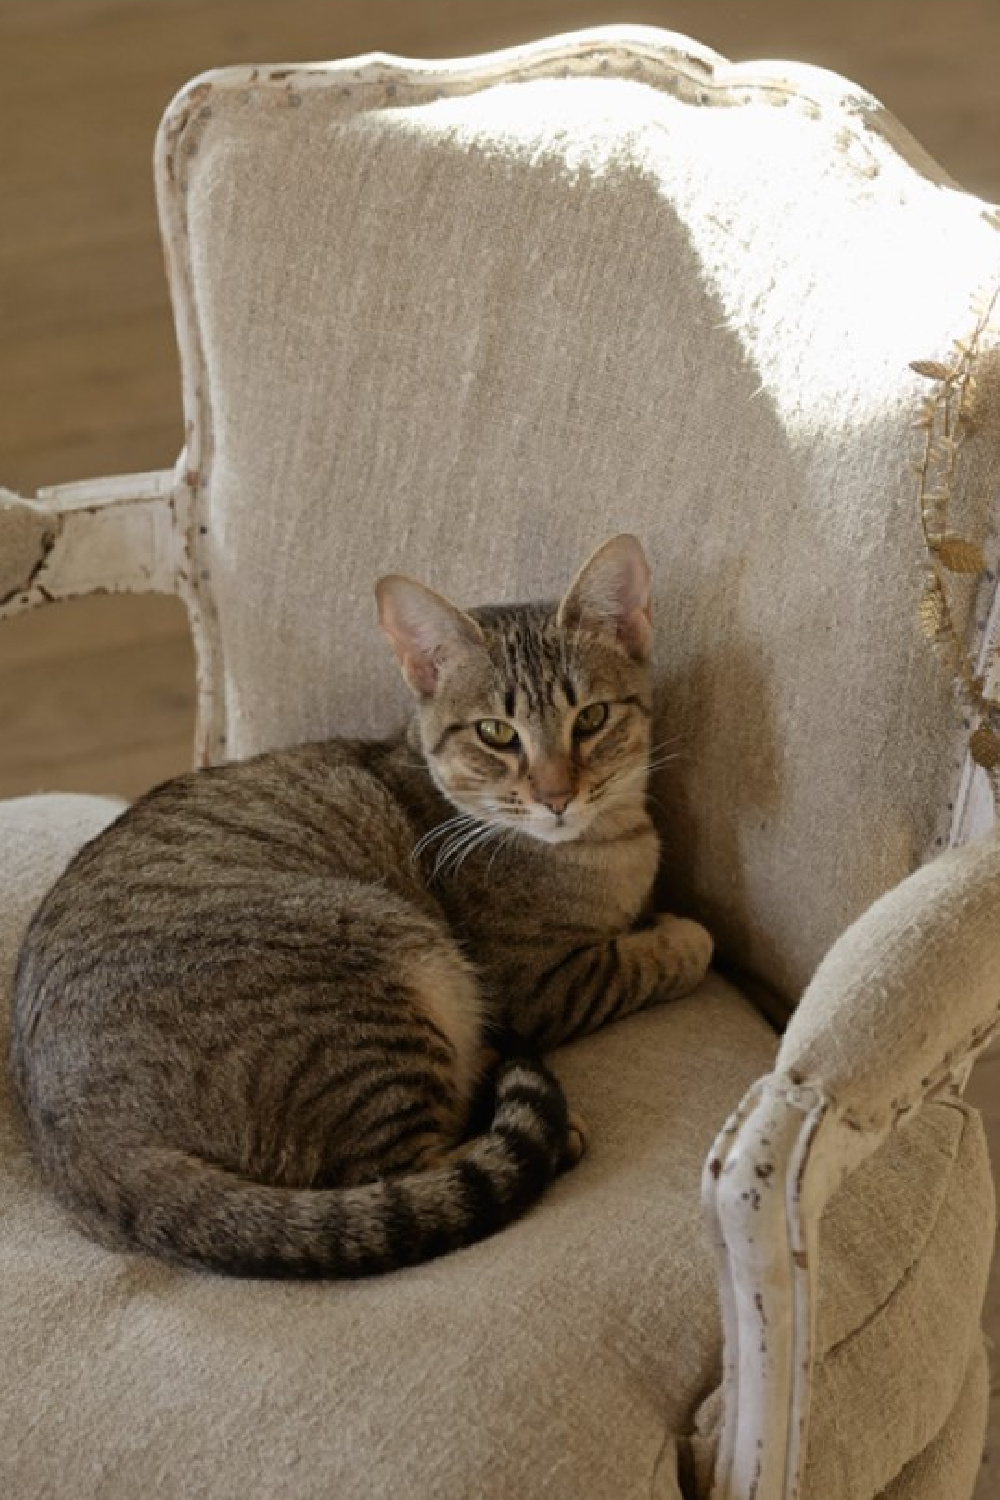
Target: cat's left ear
[[612, 593], [426, 630]]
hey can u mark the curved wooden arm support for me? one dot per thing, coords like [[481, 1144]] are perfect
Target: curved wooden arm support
[[894, 1017], [101, 535]]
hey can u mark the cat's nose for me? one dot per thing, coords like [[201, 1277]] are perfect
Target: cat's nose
[[556, 800]]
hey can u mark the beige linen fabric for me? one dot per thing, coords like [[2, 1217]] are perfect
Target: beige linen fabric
[[905, 1250], [38, 837], [469, 337], [910, 988], [905, 1254], [948, 1466], [557, 1359]]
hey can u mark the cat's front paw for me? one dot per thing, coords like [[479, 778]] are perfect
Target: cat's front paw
[[685, 951]]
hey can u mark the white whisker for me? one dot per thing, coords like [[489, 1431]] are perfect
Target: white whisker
[[667, 744], [663, 760], [453, 848], [507, 837], [440, 830], [472, 844]]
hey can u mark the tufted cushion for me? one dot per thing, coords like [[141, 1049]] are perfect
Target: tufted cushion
[[468, 323]]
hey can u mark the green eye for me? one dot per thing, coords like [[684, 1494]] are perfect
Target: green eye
[[590, 719], [497, 734]]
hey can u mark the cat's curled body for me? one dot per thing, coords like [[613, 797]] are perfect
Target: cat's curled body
[[250, 1017]]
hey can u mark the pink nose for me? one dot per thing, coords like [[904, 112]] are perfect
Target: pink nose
[[555, 799]]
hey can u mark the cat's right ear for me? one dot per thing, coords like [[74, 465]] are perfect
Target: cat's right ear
[[425, 629], [612, 593]]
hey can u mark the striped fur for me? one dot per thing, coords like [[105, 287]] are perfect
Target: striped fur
[[251, 1019]]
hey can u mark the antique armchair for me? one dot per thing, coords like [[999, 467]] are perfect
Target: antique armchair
[[468, 318]]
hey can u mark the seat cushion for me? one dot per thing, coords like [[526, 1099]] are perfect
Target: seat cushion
[[561, 1358], [555, 1359], [38, 837]]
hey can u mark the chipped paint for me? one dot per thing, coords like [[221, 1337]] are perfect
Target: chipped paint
[[766, 1184], [46, 542], [113, 535]]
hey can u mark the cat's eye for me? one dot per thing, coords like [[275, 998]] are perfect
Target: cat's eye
[[497, 734], [590, 719]]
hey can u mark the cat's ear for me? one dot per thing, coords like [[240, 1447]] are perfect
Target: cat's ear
[[612, 593], [425, 629]]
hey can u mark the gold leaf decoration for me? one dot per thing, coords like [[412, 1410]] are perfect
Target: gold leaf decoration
[[984, 747], [934, 510], [933, 610], [932, 369], [955, 409], [958, 554]]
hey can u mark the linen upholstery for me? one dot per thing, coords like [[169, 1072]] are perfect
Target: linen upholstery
[[905, 1254], [468, 337], [948, 1465], [912, 985], [905, 1250]]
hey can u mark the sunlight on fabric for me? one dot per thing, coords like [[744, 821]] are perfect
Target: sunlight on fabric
[[804, 237]]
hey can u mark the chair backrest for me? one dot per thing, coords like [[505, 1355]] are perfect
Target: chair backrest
[[468, 319]]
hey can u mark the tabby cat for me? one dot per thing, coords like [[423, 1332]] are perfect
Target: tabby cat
[[252, 1015]]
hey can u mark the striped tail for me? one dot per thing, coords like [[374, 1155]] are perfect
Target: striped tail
[[187, 1210]]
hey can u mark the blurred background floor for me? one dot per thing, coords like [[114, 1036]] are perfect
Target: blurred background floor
[[98, 695]]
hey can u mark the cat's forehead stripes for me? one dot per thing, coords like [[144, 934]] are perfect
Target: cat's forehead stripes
[[536, 675]]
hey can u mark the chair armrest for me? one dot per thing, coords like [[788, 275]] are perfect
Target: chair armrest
[[907, 997], [114, 535], [894, 1015]]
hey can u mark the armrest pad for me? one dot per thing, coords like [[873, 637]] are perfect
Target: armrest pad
[[112, 534], [907, 995]]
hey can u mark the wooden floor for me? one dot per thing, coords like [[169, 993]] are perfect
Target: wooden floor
[[98, 695]]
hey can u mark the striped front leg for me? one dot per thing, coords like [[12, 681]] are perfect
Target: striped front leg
[[594, 983]]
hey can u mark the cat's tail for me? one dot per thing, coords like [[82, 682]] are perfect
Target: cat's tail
[[188, 1210]]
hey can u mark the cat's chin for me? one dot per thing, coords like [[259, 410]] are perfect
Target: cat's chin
[[564, 833], [556, 833]]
